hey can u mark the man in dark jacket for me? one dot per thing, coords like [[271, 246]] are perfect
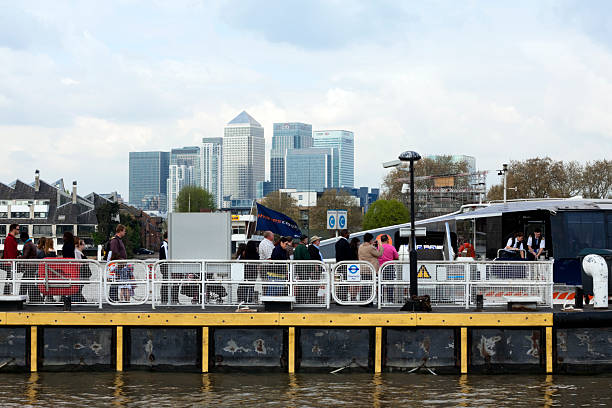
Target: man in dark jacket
[[30, 270], [117, 251], [343, 248], [174, 289], [301, 252]]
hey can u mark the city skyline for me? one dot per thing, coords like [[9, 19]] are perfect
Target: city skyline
[[90, 82]]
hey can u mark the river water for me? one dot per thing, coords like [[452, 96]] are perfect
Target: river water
[[301, 390]]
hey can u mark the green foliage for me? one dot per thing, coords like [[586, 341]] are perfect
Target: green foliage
[[385, 212], [107, 216], [132, 238], [194, 199]]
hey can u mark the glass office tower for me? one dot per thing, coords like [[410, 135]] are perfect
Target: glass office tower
[[308, 169], [184, 170], [294, 135], [148, 172], [343, 172], [243, 157]]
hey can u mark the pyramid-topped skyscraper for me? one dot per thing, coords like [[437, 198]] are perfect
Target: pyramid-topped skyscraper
[[243, 157]]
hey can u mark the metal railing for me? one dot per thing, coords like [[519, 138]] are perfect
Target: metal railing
[[457, 284], [353, 283], [208, 283], [233, 283]]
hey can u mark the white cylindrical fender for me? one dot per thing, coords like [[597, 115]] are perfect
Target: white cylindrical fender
[[595, 266]]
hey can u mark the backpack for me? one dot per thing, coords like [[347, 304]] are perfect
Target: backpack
[[106, 249]]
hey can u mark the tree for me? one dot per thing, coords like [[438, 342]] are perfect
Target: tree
[[597, 178], [334, 200], [442, 165], [546, 178], [132, 239], [107, 215], [385, 212], [194, 199], [283, 203]]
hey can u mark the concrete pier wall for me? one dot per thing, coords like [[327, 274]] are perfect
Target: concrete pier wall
[[301, 342]]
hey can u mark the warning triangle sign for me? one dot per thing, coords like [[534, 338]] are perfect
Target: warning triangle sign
[[423, 273]]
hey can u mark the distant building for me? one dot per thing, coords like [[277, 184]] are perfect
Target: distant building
[[343, 141], [180, 176], [211, 162], [309, 169], [293, 135], [48, 210], [148, 172], [243, 157], [184, 170], [263, 189], [366, 196]]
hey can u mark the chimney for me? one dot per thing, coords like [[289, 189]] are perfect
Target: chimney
[[37, 180], [74, 194]]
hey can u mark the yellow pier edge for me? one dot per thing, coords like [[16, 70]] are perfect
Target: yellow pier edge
[[277, 319]]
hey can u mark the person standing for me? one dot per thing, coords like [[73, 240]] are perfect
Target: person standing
[[40, 248], [174, 289], [68, 245], [246, 293], [10, 243], [84, 270], [79, 247], [29, 249], [49, 249], [516, 246], [266, 246], [30, 270], [117, 252], [388, 273], [278, 272], [370, 251], [343, 247], [536, 244], [313, 249], [301, 251]]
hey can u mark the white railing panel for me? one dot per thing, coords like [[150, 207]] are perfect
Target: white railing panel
[[354, 283], [126, 282]]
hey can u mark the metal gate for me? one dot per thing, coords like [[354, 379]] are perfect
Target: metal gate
[[353, 283]]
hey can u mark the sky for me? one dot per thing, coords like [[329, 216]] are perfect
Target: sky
[[84, 83]]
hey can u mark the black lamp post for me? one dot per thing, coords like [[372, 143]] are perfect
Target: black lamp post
[[412, 157]]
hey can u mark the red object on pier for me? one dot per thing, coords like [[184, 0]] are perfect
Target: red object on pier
[[58, 277]]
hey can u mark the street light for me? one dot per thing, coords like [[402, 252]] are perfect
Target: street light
[[412, 157]]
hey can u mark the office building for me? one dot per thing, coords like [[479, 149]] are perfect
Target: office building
[[179, 177], [294, 135], [243, 157], [211, 162], [309, 169], [342, 141], [148, 172]]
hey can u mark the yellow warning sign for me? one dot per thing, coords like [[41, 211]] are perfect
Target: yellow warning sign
[[423, 273]]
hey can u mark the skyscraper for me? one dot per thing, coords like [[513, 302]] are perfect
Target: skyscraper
[[343, 171], [179, 177], [148, 175], [308, 169], [211, 161], [293, 135], [243, 157], [184, 170]]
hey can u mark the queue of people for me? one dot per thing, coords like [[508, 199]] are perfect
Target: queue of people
[[72, 248]]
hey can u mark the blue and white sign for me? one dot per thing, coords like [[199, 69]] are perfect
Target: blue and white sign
[[353, 273], [342, 219], [332, 219]]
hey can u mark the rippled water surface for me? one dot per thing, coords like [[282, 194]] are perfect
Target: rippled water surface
[[302, 390]]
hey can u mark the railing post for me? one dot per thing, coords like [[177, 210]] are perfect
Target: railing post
[[203, 285], [152, 279], [100, 282], [14, 269], [467, 277]]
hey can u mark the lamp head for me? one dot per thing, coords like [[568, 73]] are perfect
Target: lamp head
[[409, 156]]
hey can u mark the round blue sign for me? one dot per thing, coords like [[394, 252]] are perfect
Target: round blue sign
[[332, 221], [341, 221]]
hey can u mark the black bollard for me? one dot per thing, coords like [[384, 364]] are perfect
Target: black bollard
[[67, 303], [578, 298], [479, 303]]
